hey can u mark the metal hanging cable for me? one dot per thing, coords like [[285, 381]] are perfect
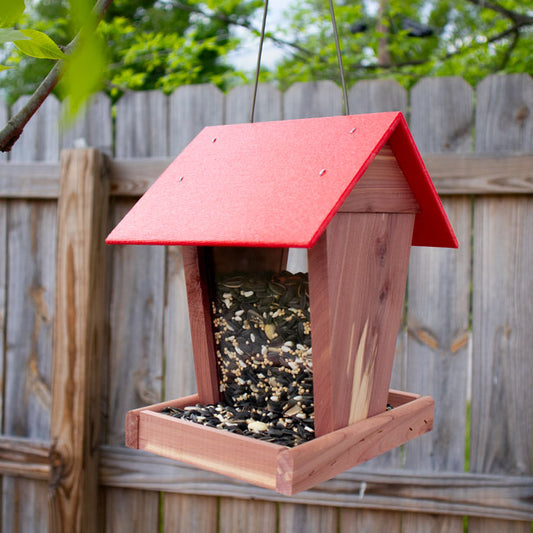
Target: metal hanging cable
[[339, 57], [261, 39]]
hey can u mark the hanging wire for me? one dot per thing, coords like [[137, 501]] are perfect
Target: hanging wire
[[261, 39], [339, 58]]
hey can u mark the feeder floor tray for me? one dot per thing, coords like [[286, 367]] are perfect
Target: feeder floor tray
[[269, 465]]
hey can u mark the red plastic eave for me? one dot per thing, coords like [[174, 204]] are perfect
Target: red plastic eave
[[275, 184]]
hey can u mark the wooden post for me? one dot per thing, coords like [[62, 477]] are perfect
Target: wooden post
[[78, 342]]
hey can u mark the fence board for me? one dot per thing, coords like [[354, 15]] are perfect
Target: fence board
[[239, 104], [189, 514], [375, 96], [243, 516], [93, 127], [142, 517], [142, 124], [362, 521], [191, 108], [137, 301], [40, 139], [438, 299], [296, 518], [30, 308], [315, 99], [502, 396]]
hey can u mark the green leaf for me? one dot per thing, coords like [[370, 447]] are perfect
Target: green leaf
[[38, 44], [3, 67], [10, 12], [8, 35], [82, 73]]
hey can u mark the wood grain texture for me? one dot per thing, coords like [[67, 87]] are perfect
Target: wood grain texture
[[382, 188], [504, 119], [431, 522], [78, 341], [305, 466], [40, 139], [438, 297], [442, 115], [375, 96], [451, 174], [367, 260], [502, 396], [458, 494], [219, 451], [239, 104], [314, 99], [295, 518], [247, 516], [3, 300], [92, 128], [191, 108], [27, 458], [131, 511], [190, 514], [142, 124], [31, 257], [362, 521], [203, 342]]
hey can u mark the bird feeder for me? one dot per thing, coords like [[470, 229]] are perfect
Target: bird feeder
[[299, 364]]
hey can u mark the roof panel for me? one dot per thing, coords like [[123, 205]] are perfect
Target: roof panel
[[275, 184]]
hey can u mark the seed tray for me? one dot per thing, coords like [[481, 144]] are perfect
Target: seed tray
[[285, 470]]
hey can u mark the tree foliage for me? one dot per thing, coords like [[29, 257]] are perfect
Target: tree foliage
[[408, 40]]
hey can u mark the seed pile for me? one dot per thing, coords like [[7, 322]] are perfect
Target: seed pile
[[263, 342]]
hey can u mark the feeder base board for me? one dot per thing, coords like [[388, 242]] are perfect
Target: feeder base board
[[285, 470]]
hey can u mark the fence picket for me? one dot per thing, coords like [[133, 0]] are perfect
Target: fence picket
[[239, 104], [314, 99], [375, 96], [502, 396]]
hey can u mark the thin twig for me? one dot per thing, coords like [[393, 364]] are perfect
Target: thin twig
[[16, 124]]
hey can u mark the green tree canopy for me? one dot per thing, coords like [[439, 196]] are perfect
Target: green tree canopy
[[408, 40]]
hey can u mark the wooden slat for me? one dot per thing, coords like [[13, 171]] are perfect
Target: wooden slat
[[438, 298], [31, 258], [78, 341], [203, 341], [40, 139], [304, 466], [314, 99], [382, 188], [502, 396], [28, 458], [3, 300], [239, 103], [93, 127], [191, 514], [354, 337], [469, 174], [247, 516], [219, 451], [362, 521], [191, 108], [141, 124], [374, 96], [294, 518], [132, 511], [458, 494]]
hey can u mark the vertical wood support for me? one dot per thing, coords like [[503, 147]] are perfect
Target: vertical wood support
[[357, 275], [78, 342], [203, 342]]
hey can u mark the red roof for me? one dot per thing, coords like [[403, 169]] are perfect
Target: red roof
[[276, 184]]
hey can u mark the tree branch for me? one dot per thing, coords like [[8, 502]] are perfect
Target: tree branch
[[16, 124], [517, 19]]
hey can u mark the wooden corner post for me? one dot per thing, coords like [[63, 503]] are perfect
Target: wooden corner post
[[78, 342]]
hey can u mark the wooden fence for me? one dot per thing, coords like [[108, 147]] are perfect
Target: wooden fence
[[119, 319]]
